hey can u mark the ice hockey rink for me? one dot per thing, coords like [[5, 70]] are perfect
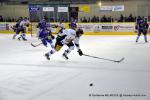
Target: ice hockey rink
[[25, 74]]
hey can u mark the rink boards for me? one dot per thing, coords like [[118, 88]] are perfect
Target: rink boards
[[89, 28]]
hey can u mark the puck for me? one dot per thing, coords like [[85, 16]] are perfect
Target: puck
[[91, 84]]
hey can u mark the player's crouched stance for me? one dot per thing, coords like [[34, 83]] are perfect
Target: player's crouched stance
[[45, 34], [47, 38], [21, 26], [70, 38]]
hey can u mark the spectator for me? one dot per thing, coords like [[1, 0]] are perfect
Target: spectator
[[109, 19], [1, 19], [130, 18], [148, 18], [121, 18], [97, 19], [81, 20], [104, 19], [89, 20], [84, 19], [138, 18]]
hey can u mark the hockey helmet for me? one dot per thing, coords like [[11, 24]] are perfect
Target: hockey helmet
[[79, 32], [73, 25]]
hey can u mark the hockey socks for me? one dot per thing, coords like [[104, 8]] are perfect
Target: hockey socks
[[145, 37], [137, 38]]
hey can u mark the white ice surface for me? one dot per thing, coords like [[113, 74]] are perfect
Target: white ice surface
[[25, 74]]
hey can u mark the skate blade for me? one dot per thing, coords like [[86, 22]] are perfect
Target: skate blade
[[46, 57], [65, 57]]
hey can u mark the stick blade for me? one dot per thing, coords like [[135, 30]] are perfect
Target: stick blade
[[120, 60], [33, 45]]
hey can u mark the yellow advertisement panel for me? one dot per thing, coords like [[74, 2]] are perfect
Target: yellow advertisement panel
[[85, 8]]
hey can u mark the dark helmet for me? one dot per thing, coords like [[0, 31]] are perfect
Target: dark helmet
[[45, 18], [79, 32]]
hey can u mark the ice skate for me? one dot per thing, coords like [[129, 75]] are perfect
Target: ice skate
[[19, 38], [65, 56], [47, 56]]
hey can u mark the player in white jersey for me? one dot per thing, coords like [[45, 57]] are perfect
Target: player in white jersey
[[61, 27], [70, 37], [24, 24], [21, 26]]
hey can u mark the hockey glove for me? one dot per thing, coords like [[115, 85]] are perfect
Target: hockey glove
[[49, 37], [27, 25], [53, 37], [80, 52]]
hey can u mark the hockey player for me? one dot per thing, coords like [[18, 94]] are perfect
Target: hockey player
[[142, 27], [69, 37], [17, 27], [21, 27], [61, 26], [61, 31], [45, 32]]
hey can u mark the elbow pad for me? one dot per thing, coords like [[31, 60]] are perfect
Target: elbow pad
[[77, 45]]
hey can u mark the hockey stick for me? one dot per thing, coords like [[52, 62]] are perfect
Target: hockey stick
[[41, 40], [35, 45], [118, 61]]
